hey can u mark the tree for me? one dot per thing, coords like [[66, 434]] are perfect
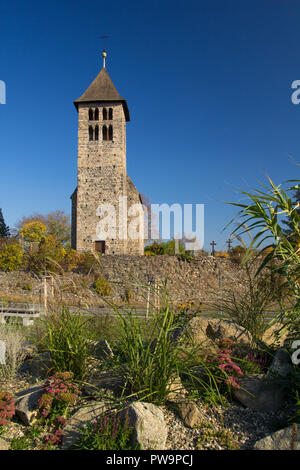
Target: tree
[[57, 223], [33, 231], [4, 229]]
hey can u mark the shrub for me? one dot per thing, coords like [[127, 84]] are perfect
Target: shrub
[[164, 248], [72, 259], [7, 408], [11, 257], [186, 311], [88, 262], [186, 256], [237, 253], [47, 256], [27, 286], [67, 338], [102, 287], [222, 254]]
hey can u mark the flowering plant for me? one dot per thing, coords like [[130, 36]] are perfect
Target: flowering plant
[[110, 432], [260, 359], [7, 408], [223, 361], [226, 364], [60, 393]]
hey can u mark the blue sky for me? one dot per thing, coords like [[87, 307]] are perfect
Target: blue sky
[[208, 85]]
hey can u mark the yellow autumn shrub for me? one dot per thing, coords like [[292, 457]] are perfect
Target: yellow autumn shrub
[[33, 231], [11, 257]]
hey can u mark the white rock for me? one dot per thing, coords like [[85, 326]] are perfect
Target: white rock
[[150, 429]]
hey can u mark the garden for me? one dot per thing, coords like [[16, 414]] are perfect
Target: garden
[[174, 379]]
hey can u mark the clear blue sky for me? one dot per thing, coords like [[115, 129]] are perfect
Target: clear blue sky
[[208, 86]]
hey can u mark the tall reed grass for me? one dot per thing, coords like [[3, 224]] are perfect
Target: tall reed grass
[[67, 337]]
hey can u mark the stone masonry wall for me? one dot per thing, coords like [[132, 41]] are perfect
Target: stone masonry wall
[[197, 280]]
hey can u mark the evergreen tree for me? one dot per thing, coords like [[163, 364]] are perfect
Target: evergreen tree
[[4, 229]]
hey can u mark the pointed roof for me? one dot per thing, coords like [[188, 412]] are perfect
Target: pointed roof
[[103, 89]]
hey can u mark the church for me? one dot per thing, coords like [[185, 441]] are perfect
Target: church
[[102, 179]]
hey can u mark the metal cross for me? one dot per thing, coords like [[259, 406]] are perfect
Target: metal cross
[[104, 37], [213, 244], [229, 241]]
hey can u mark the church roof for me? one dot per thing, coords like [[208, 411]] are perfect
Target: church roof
[[103, 89]]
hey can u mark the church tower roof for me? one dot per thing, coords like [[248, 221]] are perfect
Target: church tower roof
[[103, 89]]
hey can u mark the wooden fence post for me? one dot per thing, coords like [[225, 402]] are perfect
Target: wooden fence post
[[45, 294]]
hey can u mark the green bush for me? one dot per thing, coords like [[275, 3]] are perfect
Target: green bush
[[102, 287], [164, 248], [11, 257]]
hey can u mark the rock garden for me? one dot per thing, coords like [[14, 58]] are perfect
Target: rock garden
[[159, 383], [176, 378]]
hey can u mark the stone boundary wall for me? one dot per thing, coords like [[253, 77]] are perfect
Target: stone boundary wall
[[195, 280]]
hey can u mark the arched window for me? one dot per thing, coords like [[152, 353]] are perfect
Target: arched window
[[110, 131], [104, 112], [91, 133], [97, 133], [110, 114], [104, 132], [91, 118], [96, 114]]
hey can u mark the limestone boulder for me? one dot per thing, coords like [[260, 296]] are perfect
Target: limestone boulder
[[108, 383], [202, 330], [259, 393], [26, 404], [150, 429], [285, 439], [176, 389], [40, 366], [281, 364], [4, 444], [88, 414], [189, 412]]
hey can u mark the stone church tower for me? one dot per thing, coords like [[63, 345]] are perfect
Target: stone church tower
[[102, 178]]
